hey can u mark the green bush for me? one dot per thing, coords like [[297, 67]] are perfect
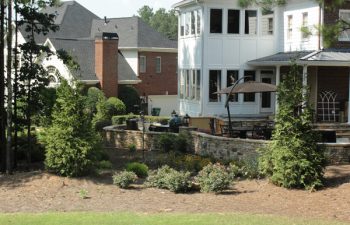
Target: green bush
[[117, 120], [250, 167], [100, 124], [132, 148], [181, 142], [292, 159], [140, 169], [234, 170], [129, 95], [158, 178], [115, 106], [105, 164], [213, 178], [168, 178], [93, 96], [178, 182], [165, 141], [72, 147], [124, 179]]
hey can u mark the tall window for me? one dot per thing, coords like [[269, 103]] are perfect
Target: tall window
[[215, 20], [233, 21], [250, 22], [193, 84], [142, 64], [198, 22], [290, 27], [344, 15], [187, 25], [214, 85], [193, 23], [198, 85], [232, 77], [182, 84], [250, 74], [158, 64], [267, 22], [305, 26], [182, 24]]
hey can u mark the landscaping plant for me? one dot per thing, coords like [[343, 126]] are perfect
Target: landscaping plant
[[140, 169], [124, 179], [213, 178], [293, 159], [72, 147]]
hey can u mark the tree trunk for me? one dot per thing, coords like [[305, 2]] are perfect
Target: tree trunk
[[9, 153], [15, 92], [2, 90]]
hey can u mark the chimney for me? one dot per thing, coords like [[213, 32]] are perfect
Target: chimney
[[106, 63]]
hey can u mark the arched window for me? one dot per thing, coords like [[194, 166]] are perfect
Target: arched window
[[54, 75]]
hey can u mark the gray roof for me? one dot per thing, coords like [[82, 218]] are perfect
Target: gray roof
[[282, 57], [83, 51], [133, 33], [73, 19]]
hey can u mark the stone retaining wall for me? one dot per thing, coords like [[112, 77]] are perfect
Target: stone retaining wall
[[216, 146]]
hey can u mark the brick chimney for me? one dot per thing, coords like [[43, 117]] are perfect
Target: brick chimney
[[106, 63]]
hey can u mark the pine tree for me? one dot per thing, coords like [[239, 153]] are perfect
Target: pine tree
[[293, 159], [71, 144]]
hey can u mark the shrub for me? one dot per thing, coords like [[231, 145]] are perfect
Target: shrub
[[165, 141], [124, 179], [93, 96], [100, 124], [115, 106], [71, 145], [181, 142], [213, 178], [250, 168], [178, 182], [158, 178], [140, 169], [234, 170], [122, 118], [105, 164], [129, 95], [292, 159], [132, 148]]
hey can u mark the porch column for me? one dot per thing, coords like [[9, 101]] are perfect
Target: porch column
[[304, 81], [349, 100], [278, 81]]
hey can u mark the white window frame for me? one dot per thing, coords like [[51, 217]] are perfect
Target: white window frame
[[347, 32], [158, 69], [268, 32], [304, 23], [256, 22], [289, 27], [143, 67]]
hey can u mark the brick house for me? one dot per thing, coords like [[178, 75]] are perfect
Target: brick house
[[219, 40], [109, 52]]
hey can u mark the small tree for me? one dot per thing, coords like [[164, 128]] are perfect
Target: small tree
[[292, 159], [71, 145]]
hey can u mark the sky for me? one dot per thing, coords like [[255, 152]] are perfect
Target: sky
[[123, 8]]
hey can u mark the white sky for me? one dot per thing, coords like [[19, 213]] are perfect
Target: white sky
[[123, 8]]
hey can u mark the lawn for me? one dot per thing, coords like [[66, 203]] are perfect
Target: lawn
[[152, 219]]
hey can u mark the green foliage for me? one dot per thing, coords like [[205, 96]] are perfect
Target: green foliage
[[83, 194], [47, 99], [140, 169], [213, 178], [158, 178], [168, 178], [115, 106], [124, 179], [292, 159], [165, 141], [132, 148], [94, 95], [165, 22], [181, 142], [105, 165], [129, 95], [71, 145]]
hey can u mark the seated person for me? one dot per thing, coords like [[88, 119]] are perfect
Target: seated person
[[174, 123]]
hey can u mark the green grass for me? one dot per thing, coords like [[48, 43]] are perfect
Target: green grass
[[152, 219]]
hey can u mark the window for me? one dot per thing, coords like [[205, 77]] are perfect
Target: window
[[216, 21], [142, 64], [198, 85], [249, 97], [267, 23], [250, 21], [182, 84], [158, 64], [193, 84], [187, 26], [214, 85], [232, 77], [233, 21], [344, 15], [198, 22], [182, 24], [305, 32], [290, 27], [187, 85], [193, 23]]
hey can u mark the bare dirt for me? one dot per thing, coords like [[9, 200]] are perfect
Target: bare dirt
[[42, 192]]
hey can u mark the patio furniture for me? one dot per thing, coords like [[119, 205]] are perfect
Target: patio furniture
[[158, 127], [155, 111]]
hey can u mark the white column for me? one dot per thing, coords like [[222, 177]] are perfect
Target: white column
[[349, 100], [278, 81]]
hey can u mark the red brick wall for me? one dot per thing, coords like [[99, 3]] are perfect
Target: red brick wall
[[158, 83], [106, 66], [330, 16]]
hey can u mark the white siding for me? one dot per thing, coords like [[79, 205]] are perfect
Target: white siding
[[131, 57]]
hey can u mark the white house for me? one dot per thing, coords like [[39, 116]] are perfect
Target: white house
[[219, 42]]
